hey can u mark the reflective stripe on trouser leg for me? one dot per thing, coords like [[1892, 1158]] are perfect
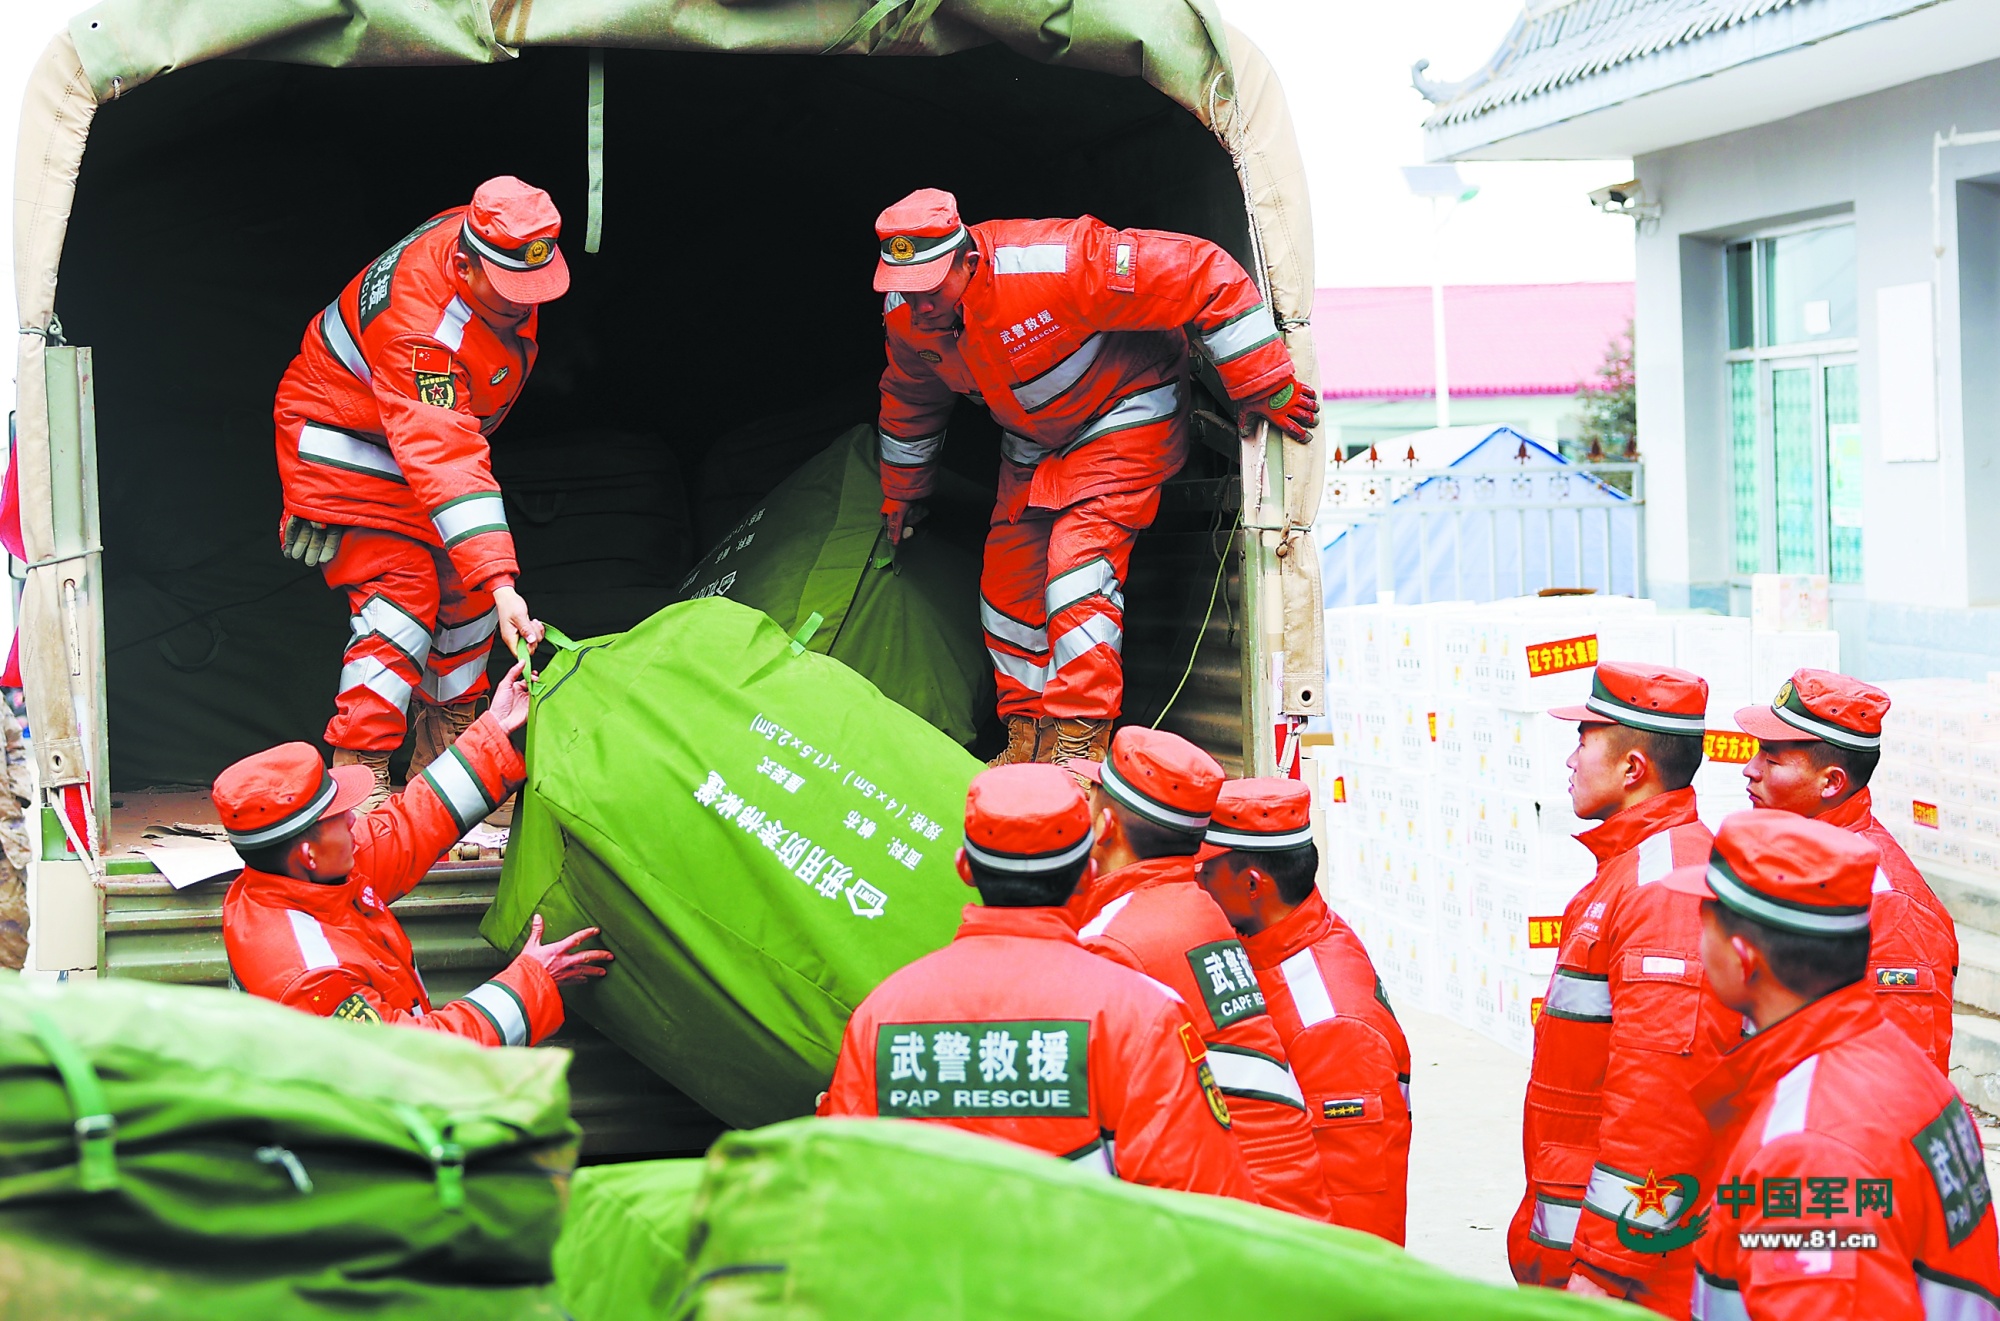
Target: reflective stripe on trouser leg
[[1090, 550], [466, 623], [392, 590], [460, 679], [1012, 580]]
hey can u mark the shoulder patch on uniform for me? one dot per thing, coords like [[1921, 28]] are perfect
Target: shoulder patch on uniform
[[1949, 1146], [989, 1070], [1124, 275], [1349, 1107], [429, 358], [356, 1009], [1228, 983], [497, 377], [1895, 976], [1217, 1107], [437, 389]]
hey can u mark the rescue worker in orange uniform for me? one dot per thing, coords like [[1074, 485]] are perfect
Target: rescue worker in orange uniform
[[1152, 799], [1626, 1027], [1818, 744], [1075, 336], [1015, 1032], [382, 422], [1831, 1123], [308, 923], [1343, 1041]]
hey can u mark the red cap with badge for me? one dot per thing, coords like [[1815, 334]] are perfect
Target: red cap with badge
[[1262, 815], [513, 228], [1819, 706], [1658, 698], [1787, 871], [918, 236], [1159, 776], [1026, 819], [279, 794]]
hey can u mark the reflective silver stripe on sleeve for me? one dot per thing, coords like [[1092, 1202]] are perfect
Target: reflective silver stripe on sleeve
[[1789, 1100], [447, 686], [1308, 987], [891, 303], [1098, 630], [1253, 330], [1244, 1073], [1032, 259], [1031, 395], [468, 516], [909, 453], [314, 951], [1948, 1298], [334, 327], [1008, 629], [1154, 405], [1554, 1223], [459, 637], [337, 449], [1579, 996], [370, 673], [504, 1008], [450, 330], [385, 619], [1099, 1158], [1086, 580], [1022, 451], [1610, 1195], [457, 785], [1718, 1300], [1403, 1083], [1020, 669]]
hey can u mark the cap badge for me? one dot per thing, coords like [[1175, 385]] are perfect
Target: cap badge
[[901, 249], [1784, 694], [536, 252]]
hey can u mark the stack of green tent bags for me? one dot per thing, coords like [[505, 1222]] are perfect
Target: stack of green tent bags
[[170, 1152], [623, 1251]]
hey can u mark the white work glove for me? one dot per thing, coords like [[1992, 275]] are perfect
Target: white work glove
[[312, 544]]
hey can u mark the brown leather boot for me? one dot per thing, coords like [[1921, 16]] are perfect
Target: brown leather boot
[[437, 728], [377, 762], [1028, 739], [1080, 740]]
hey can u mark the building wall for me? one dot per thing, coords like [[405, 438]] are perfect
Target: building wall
[[1929, 600]]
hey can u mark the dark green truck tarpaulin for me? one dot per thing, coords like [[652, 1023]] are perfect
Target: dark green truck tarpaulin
[[761, 835], [244, 1159], [1176, 45], [906, 621], [891, 1219], [623, 1251]]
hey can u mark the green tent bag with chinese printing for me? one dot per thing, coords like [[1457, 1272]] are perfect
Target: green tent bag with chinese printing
[[221, 1155], [623, 1248], [907, 620], [760, 833], [892, 1219]]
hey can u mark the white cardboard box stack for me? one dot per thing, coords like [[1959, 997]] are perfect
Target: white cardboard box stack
[[1449, 837], [1937, 788]]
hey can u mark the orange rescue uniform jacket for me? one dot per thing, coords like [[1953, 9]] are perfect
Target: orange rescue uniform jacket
[[1625, 1031], [383, 415], [337, 950], [1076, 338], [1155, 917], [1350, 1059], [1913, 942], [1013, 1031], [1833, 1126]]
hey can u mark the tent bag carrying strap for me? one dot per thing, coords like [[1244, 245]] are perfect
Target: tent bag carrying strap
[[447, 1157], [96, 1127], [562, 641]]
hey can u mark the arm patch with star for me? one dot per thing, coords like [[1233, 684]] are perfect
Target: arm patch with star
[[356, 1009]]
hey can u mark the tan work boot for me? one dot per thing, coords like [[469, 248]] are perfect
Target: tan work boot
[[1029, 738], [377, 762], [437, 728], [1080, 740]]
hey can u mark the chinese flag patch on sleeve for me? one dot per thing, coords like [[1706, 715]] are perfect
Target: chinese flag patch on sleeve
[[430, 358]]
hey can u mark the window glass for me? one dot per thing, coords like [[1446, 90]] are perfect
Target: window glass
[[1743, 462], [1809, 288], [1741, 272], [1796, 470], [1843, 472]]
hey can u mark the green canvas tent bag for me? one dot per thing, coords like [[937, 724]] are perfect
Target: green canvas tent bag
[[760, 833], [622, 1254], [892, 1219], [235, 1153]]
